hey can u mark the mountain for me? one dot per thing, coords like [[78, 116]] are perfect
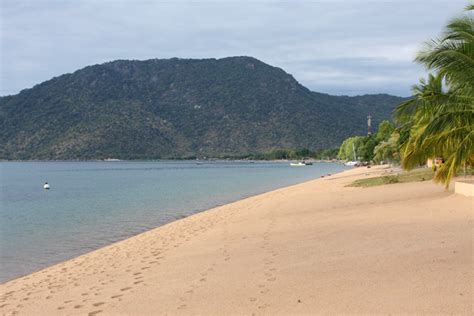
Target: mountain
[[168, 108]]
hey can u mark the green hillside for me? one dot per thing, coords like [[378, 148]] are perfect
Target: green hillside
[[169, 108]]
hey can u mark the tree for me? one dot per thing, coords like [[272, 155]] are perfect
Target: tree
[[440, 117], [367, 149], [351, 144], [387, 150], [384, 131]]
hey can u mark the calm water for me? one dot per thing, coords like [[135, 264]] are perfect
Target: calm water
[[92, 204]]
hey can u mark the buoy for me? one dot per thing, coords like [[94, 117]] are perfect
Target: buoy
[[46, 186]]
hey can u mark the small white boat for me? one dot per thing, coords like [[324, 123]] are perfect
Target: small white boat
[[351, 163], [297, 164], [46, 186]]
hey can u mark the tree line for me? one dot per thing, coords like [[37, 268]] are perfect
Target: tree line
[[292, 154], [380, 147]]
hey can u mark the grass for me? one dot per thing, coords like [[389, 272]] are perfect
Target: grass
[[415, 175]]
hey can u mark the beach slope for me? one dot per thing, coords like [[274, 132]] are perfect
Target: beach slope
[[316, 247]]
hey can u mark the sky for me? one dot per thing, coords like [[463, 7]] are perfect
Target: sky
[[348, 47]]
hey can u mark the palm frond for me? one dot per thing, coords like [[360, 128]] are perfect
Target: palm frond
[[440, 116]]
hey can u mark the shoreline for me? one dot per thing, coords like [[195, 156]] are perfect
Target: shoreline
[[209, 160], [114, 275], [196, 212]]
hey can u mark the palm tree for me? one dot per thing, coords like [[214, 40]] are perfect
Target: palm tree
[[414, 115], [452, 55], [441, 121]]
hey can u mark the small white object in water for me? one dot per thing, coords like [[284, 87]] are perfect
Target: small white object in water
[[46, 186]]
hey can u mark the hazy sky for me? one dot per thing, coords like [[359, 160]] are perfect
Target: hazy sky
[[338, 47]]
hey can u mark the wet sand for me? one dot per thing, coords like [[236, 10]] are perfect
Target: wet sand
[[315, 247]]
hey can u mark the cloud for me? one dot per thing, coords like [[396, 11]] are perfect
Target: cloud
[[339, 47]]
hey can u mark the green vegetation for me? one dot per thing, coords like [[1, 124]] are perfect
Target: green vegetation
[[384, 131], [439, 120], [176, 108], [383, 146], [421, 174], [388, 150], [350, 148], [290, 154]]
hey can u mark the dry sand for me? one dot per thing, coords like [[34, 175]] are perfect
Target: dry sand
[[316, 247]]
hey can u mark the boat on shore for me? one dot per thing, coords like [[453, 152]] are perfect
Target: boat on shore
[[355, 162], [352, 163]]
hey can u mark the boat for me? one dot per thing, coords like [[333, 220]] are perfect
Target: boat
[[297, 164], [46, 186], [352, 163], [301, 163]]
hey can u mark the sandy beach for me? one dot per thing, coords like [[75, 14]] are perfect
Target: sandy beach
[[314, 248]]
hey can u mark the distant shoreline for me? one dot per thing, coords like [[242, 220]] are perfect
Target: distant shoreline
[[173, 160]]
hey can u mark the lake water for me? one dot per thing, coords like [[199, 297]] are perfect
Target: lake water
[[93, 204]]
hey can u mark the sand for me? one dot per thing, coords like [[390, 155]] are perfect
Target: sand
[[316, 247]]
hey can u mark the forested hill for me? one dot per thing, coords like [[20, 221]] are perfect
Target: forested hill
[[169, 108]]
